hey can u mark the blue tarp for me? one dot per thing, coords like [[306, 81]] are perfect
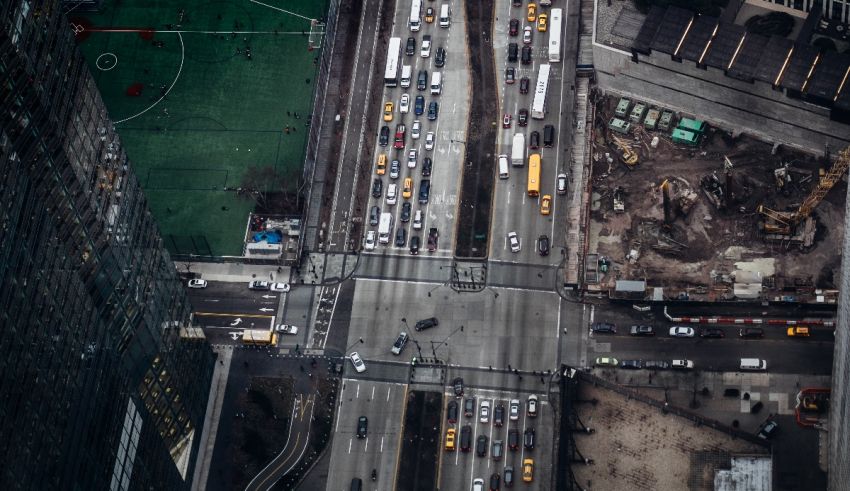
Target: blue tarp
[[272, 237]]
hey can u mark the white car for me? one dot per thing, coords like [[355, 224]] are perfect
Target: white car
[[392, 194], [404, 104], [484, 412], [682, 364], [280, 287], [526, 35], [478, 485], [359, 366], [532, 405], [514, 242], [682, 332], [429, 140], [196, 283], [562, 183], [417, 220], [411, 159], [425, 51], [258, 285], [286, 329], [415, 130], [513, 410], [370, 240]]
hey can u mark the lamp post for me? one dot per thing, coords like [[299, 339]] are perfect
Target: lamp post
[[359, 340]]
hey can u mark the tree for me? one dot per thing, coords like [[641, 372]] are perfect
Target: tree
[[259, 182], [772, 24]]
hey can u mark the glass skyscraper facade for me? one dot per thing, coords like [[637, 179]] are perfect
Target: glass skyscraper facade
[[103, 381]]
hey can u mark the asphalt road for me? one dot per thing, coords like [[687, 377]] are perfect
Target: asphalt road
[[382, 404], [225, 309]]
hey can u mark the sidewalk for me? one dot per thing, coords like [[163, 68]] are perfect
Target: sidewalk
[[325, 268], [210, 429], [234, 272]]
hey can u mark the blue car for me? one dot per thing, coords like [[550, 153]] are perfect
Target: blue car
[[433, 109], [419, 106]]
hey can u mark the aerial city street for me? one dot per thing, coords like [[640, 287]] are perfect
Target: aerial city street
[[425, 245]]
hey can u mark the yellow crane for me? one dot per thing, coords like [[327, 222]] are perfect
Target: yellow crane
[[784, 222], [630, 157]]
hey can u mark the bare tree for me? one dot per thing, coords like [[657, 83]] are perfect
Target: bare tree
[[260, 181]]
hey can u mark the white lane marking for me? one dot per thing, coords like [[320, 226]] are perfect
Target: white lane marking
[[331, 318], [357, 396], [373, 393], [389, 390], [350, 442], [381, 450]]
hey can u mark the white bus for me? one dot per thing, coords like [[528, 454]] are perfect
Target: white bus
[[538, 107], [393, 55], [385, 228], [415, 18], [555, 35]]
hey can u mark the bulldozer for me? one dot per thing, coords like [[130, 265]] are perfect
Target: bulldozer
[[798, 225], [629, 156]]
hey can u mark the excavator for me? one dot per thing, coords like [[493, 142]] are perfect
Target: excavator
[[629, 156], [784, 223]]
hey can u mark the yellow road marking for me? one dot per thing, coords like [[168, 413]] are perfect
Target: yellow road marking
[[223, 314]]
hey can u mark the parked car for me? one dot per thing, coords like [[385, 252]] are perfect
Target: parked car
[[452, 411], [682, 332], [712, 332], [682, 364], [605, 361], [631, 364], [642, 331], [259, 285], [768, 429], [280, 287], [751, 332], [197, 283], [656, 365], [604, 327]]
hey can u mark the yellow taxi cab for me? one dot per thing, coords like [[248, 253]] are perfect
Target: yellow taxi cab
[[407, 190], [542, 22], [450, 440], [546, 204], [381, 166], [388, 111], [528, 470], [532, 12], [798, 331], [429, 15]]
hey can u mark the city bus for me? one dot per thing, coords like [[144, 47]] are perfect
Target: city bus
[[393, 55], [534, 175], [538, 107], [555, 35], [415, 15]]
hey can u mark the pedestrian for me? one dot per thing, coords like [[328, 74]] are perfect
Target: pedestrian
[[287, 113], [238, 51], [293, 129]]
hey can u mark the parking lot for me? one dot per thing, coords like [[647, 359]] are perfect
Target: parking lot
[[460, 467], [448, 129]]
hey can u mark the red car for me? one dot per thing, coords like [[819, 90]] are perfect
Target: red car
[[506, 121], [513, 30], [433, 235], [398, 142]]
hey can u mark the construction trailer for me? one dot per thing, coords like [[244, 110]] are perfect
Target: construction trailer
[[685, 137], [637, 113], [622, 108], [693, 125], [620, 126], [666, 121], [651, 120]]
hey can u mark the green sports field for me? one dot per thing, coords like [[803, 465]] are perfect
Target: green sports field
[[199, 92]]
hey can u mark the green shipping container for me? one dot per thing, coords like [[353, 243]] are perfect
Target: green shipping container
[[685, 137]]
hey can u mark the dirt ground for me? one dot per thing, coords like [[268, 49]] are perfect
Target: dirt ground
[[262, 422], [707, 244], [638, 447]]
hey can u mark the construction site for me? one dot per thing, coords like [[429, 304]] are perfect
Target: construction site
[[684, 210]]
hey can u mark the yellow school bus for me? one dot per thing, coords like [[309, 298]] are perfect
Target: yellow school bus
[[534, 175]]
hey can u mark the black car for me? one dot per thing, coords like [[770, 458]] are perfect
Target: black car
[[457, 384], [422, 80], [751, 332], [414, 245], [525, 57], [495, 482], [465, 438], [534, 140], [469, 407], [401, 238], [528, 439], [523, 85], [426, 324], [481, 446], [426, 167], [522, 117], [410, 47], [499, 415], [377, 188], [424, 192], [513, 27], [509, 476], [405, 212], [510, 75], [513, 50], [513, 439], [384, 137], [768, 429], [631, 364], [440, 59], [516, 3], [712, 332], [604, 327], [433, 235], [543, 245], [548, 136], [374, 215], [433, 110], [362, 426], [656, 365], [451, 412], [419, 105], [642, 331]]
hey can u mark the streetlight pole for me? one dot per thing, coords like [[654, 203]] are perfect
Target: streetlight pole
[[359, 340]]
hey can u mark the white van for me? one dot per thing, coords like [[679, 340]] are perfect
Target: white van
[[503, 167], [392, 194], [753, 364], [385, 228], [406, 70], [445, 19], [436, 83]]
